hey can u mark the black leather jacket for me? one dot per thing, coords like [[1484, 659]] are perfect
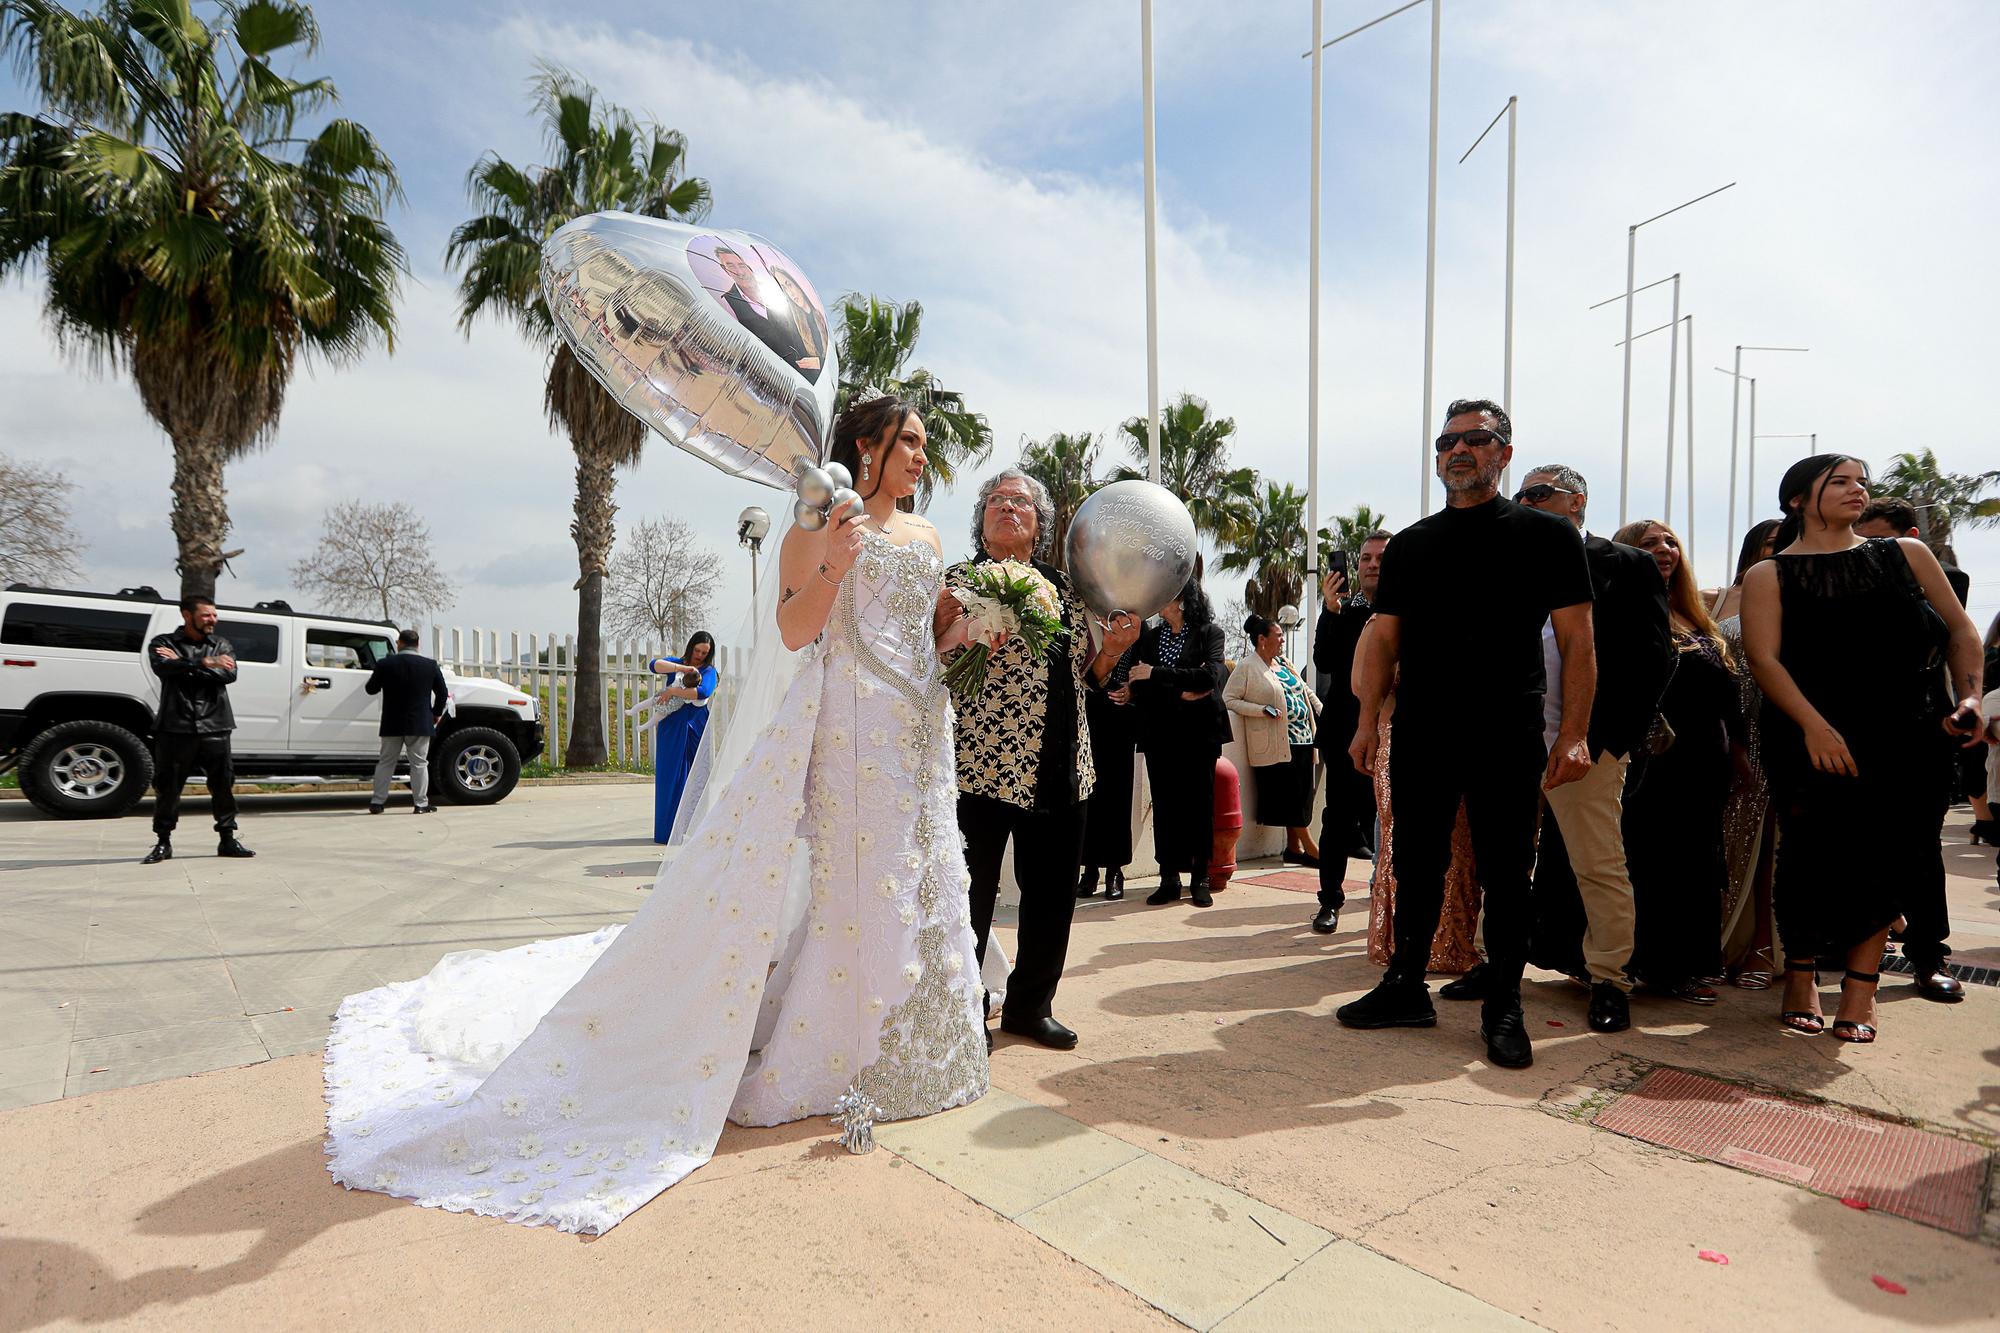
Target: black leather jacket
[[194, 699]]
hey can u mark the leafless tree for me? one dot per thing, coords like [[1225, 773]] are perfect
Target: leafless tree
[[374, 560], [38, 542], [662, 581]]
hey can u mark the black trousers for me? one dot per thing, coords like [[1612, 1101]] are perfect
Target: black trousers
[[1047, 847], [1347, 822], [175, 755], [1183, 782], [1497, 772]]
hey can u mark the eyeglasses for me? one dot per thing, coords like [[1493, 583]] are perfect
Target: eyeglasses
[[1020, 502], [1475, 438], [1539, 492]]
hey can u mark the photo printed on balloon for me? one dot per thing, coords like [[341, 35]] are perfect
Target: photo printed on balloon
[[768, 296]]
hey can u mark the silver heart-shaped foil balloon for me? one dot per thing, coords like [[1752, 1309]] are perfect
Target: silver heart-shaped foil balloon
[[713, 338], [1131, 548]]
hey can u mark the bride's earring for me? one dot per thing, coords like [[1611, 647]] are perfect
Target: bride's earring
[[864, 467]]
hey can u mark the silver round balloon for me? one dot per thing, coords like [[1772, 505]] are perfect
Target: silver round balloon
[[1131, 548], [715, 339], [816, 487], [809, 517], [842, 497], [841, 476]]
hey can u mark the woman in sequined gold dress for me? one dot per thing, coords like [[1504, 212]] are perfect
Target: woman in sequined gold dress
[[568, 1082], [1749, 830], [1455, 947]]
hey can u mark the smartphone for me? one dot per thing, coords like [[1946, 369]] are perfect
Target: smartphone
[[1336, 563]]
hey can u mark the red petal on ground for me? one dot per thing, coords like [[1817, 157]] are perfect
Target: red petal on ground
[[1893, 1288], [1555, 1023], [1859, 1204], [1713, 1257]]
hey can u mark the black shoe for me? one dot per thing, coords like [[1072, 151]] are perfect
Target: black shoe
[[1305, 859], [230, 847], [1114, 884], [1471, 986], [1610, 1011], [1046, 1031], [1361, 852], [1326, 921], [1198, 892], [1168, 892], [163, 850], [1934, 983], [1506, 1035], [1393, 1004], [374, 809], [423, 809], [1086, 882]]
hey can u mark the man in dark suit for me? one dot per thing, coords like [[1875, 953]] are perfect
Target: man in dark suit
[[1584, 915], [1928, 921], [1347, 824], [752, 313], [413, 699]]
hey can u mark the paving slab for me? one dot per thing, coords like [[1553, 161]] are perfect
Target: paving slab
[[1007, 1152], [1347, 1289]]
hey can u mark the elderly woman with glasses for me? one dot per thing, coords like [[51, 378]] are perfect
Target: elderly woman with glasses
[[1024, 761]]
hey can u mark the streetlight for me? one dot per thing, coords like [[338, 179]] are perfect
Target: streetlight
[[1687, 533], [1673, 371], [1507, 338], [1736, 386], [1625, 411], [1814, 437], [1430, 224], [752, 526], [1152, 262]]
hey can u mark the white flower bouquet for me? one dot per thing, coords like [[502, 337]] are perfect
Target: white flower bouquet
[[1003, 599]]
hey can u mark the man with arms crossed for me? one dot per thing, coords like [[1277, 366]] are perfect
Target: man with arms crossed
[[1459, 614]]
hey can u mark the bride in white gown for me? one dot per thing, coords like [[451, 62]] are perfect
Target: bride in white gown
[[570, 1081]]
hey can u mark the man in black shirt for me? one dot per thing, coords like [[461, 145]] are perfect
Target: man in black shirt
[[1347, 824], [1458, 628], [196, 666]]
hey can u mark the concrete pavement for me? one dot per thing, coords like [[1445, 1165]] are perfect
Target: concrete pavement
[[1218, 1153]]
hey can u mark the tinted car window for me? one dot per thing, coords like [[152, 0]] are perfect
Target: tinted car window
[[344, 648], [252, 642], [91, 628]]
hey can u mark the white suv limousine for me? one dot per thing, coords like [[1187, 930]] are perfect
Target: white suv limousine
[[77, 702]]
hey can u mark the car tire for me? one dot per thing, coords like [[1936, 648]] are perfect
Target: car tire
[[86, 770], [474, 766]]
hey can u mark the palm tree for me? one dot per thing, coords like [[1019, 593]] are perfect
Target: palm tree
[[601, 159], [1271, 544], [1066, 465], [1346, 532], [877, 339], [1194, 464], [1943, 499], [188, 231]]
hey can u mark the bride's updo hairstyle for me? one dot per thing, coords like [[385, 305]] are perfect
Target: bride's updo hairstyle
[[1805, 482], [862, 425]]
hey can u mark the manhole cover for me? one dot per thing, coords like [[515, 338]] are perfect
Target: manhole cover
[[1926, 1177]]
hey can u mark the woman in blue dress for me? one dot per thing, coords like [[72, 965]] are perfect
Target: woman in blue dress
[[680, 726]]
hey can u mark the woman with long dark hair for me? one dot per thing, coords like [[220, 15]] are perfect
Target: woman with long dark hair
[[1749, 833], [807, 325], [680, 726], [1177, 680], [1845, 636], [1673, 812]]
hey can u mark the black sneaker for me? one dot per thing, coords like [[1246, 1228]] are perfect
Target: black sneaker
[[1471, 986], [1506, 1035], [1393, 1004], [374, 809]]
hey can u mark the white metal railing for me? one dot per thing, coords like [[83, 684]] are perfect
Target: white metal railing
[[543, 666]]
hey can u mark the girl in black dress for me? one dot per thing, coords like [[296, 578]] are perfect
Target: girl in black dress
[[1177, 678], [1107, 819], [1673, 815], [1845, 636]]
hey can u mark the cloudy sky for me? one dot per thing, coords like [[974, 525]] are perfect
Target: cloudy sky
[[985, 159]]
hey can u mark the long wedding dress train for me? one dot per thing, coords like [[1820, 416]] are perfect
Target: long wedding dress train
[[569, 1081]]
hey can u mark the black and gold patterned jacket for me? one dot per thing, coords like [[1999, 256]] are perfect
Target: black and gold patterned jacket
[[1002, 749]]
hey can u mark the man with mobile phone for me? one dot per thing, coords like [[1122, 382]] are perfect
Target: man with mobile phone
[[1347, 823]]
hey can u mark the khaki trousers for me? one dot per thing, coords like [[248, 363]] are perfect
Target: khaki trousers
[[1591, 814]]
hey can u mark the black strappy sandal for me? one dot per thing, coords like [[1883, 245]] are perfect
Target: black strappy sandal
[[1860, 1034], [1795, 1020]]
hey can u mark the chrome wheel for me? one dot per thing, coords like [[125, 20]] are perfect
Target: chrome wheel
[[479, 768], [87, 771]]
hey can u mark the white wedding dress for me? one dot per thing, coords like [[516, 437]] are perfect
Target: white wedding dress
[[568, 1082]]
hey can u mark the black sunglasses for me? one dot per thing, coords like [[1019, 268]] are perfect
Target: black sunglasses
[[1476, 438], [1540, 491]]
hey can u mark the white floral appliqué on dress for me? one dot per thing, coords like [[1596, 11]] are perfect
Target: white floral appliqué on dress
[[569, 1081]]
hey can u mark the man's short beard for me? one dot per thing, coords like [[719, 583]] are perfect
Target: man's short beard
[[1487, 477]]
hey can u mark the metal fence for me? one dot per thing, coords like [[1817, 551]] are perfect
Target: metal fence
[[543, 666]]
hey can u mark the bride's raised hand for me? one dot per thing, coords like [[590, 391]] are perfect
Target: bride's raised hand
[[842, 543]]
